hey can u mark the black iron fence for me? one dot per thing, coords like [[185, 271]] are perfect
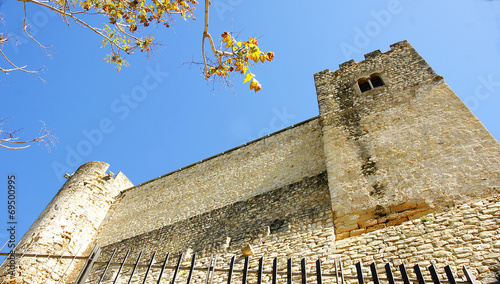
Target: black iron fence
[[154, 271]]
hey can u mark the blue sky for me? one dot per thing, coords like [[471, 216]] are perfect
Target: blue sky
[[159, 114]]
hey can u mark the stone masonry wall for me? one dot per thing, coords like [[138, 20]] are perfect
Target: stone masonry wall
[[294, 220], [404, 149], [291, 209], [466, 235], [273, 162]]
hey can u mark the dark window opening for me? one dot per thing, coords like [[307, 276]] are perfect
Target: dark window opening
[[371, 83], [364, 85], [376, 81]]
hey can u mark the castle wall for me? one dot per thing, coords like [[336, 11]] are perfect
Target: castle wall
[[468, 234], [291, 210], [237, 175], [404, 149]]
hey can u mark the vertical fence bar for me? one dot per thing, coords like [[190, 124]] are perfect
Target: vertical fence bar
[[259, 272], [289, 271], [107, 266], [303, 270], [163, 268], [213, 270], [121, 266], [404, 274], [208, 269], [245, 271], [373, 269], [359, 271], [435, 277], [275, 271], [190, 275], [69, 265], [149, 268], [418, 272], [177, 269], [135, 267], [57, 262], [230, 273], [88, 265], [336, 270], [468, 274], [390, 276], [319, 275], [449, 274], [341, 272]]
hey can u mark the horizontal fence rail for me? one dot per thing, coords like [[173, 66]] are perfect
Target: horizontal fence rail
[[100, 269]]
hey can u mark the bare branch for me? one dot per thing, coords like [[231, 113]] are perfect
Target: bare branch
[[16, 68], [28, 34], [11, 141]]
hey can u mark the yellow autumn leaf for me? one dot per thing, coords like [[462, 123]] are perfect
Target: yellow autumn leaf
[[262, 58], [248, 77]]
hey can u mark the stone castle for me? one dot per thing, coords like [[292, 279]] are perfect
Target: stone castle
[[394, 169]]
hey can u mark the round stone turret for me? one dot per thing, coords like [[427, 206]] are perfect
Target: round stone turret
[[69, 223]]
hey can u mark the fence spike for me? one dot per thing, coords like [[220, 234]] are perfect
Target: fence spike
[[375, 277], [390, 276], [359, 271], [69, 265], [230, 273], [303, 270], [275, 271], [245, 270], [121, 266], [135, 267], [341, 272], [190, 275], [449, 274], [107, 266], [208, 269], [177, 269], [289, 271], [149, 268], [213, 270], [319, 275], [88, 265], [259, 272], [163, 268], [404, 274], [468, 274], [418, 273], [434, 275]]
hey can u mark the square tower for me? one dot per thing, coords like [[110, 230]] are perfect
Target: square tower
[[398, 142]]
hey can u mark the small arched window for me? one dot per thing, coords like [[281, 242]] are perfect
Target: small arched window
[[376, 81], [366, 84]]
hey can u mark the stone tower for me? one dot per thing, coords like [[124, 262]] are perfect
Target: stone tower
[[69, 222], [399, 142]]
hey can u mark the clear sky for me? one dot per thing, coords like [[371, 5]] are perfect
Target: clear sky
[[175, 119]]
